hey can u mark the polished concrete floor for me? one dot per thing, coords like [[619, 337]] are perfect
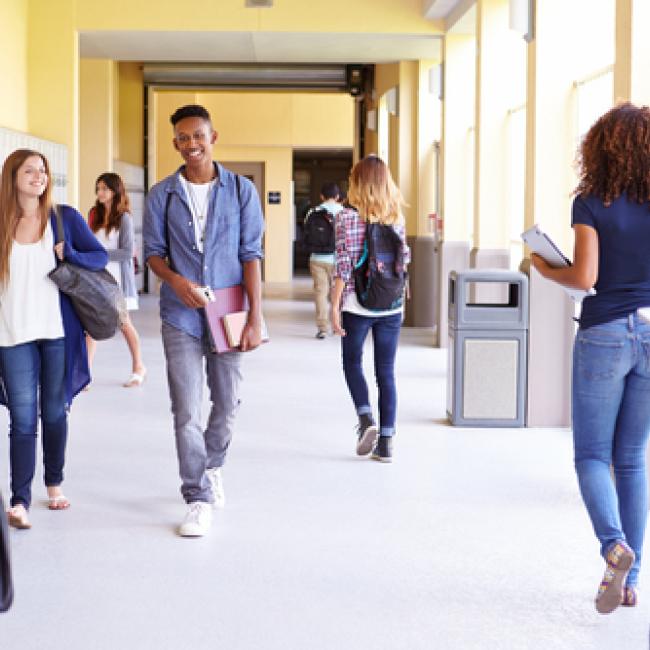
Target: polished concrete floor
[[472, 538]]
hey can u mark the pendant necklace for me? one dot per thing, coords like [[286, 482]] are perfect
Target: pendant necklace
[[201, 215]]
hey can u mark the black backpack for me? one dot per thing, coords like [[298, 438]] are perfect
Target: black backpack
[[380, 274], [318, 233]]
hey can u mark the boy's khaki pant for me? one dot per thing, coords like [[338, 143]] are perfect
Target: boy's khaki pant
[[321, 272]]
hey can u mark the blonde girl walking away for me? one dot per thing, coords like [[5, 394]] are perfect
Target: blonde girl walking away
[[112, 224], [372, 232]]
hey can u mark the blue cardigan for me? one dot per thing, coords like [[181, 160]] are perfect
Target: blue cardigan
[[83, 249]]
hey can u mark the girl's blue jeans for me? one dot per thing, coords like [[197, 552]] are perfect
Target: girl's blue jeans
[[26, 368], [611, 420], [385, 336]]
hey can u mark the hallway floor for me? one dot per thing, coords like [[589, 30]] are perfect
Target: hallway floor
[[471, 539]]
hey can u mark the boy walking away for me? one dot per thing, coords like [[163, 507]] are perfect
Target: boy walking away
[[319, 240]]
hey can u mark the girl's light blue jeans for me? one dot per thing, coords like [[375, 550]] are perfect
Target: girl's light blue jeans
[[611, 420]]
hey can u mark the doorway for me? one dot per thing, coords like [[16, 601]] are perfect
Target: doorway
[[311, 169], [254, 171]]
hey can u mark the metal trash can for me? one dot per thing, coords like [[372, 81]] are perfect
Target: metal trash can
[[488, 343]]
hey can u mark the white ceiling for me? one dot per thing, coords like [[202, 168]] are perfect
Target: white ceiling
[[436, 9], [258, 47], [459, 15]]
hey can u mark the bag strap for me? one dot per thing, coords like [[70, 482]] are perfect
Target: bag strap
[[364, 254], [60, 233], [166, 219]]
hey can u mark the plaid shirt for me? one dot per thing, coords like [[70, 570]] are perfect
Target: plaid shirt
[[350, 235]]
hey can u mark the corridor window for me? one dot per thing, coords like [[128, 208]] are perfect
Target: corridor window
[[593, 98]]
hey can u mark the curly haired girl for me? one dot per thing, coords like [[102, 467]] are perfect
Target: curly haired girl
[[611, 359]]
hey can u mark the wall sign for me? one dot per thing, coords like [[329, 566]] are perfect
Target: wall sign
[[274, 198]]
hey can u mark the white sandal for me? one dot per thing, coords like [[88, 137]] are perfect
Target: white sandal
[[17, 517], [136, 379], [58, 502]]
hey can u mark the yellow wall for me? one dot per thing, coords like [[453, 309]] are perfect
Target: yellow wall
[[631, 79], [53, 80], [429, 131], [97, 122], [386, 16], [13, 64], [407, 146], [131, 114], [458, 119]]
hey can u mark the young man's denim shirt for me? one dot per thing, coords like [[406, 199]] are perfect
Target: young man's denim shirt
[[233, 235]]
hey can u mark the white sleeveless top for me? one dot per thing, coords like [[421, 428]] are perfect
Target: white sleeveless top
[[111, 243], [29, 304]]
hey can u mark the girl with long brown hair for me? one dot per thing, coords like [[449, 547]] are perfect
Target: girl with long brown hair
[[378, 203], [611, 367], [112, 224], [43, 362]]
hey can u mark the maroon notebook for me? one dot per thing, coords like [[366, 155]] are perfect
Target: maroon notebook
[[226, 301]]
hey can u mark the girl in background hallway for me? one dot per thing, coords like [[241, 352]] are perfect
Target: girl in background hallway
[[112, 224], [611, 360], [43, 362], [377, 201]]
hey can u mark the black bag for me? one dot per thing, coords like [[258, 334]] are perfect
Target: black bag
[[6, 584], [95, 295], [380, 274], [318, 233]]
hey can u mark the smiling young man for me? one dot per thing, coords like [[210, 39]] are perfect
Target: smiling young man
[[202, 227]]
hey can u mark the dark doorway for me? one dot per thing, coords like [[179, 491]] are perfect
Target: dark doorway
[[311, 169]]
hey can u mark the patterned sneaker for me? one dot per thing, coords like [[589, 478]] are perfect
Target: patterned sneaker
[[383, 451], [216, 482], [198, 519], [366, 433], [630, 597], [619, 558]]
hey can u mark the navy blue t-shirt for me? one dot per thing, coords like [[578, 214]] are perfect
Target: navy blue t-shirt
[[623, 283]]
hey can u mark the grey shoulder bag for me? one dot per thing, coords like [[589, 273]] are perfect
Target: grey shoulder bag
[[95, 295]]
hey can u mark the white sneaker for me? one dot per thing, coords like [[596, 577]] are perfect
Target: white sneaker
[[216, 481], [198, 519]]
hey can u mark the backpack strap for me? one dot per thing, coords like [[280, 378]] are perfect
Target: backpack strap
[[166, 224], [364, 255]]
